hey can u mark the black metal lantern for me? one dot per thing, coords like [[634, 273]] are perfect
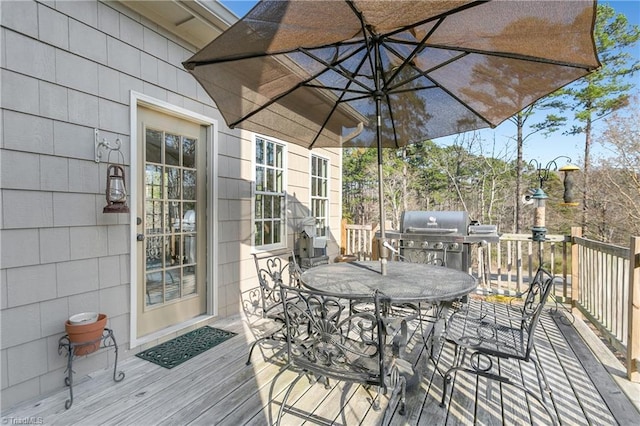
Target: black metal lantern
[[116, 193]]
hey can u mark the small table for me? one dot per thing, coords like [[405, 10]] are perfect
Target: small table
[[405, 282], [107, 340]]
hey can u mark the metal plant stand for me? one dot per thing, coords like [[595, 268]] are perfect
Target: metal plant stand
[[107, 340]]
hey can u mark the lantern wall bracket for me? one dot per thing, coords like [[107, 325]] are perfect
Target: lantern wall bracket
[[101, 145]]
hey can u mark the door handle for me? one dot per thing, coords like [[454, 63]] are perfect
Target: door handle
[[140, 237]]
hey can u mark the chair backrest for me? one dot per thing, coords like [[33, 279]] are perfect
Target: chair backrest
[[274, 269], [536, 297], [324, 336]]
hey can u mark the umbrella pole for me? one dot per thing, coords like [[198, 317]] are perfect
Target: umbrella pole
[[382, 250]]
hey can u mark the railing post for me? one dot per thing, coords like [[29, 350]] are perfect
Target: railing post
[[633, 340], [576, 231], [343, 237]]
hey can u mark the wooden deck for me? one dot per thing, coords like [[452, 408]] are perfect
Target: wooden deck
[[217, 387]]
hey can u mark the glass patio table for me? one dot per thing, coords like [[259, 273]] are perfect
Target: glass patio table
[[405, 282], [414, 285]]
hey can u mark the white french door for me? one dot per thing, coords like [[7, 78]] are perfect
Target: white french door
[[171, 227]]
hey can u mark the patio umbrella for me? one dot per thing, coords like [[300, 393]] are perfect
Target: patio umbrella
[[389, 73]]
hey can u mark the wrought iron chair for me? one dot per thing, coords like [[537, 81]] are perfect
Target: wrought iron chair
[[328, 340], [430, 313], [487, 337], [273, 269]]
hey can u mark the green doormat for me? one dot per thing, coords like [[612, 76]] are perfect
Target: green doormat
[[183, 348]]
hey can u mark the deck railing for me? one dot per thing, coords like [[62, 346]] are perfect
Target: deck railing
[[601, 281], [606, 290], [514, 260], [357, 240]]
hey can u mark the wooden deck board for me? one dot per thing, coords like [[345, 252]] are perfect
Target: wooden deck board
[[217, 387]]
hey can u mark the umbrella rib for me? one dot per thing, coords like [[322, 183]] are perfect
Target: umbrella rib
[[337, 88], [326, 120], [277, 98], [365, 30], [516, 56], [413, 54], [440, 17], [425, 72], [344, 91], [191, 65], [339, 71], [393, 121], [413, 89], [421, 73], [437, 85]]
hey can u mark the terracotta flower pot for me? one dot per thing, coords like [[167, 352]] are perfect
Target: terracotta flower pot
[[89, 333]]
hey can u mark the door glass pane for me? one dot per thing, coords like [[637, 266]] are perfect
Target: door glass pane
[[153, 217], [189, 152], [174, 216], [189, 184], [189, 249], [189, 217], [172, 284], [153, 181], [188, 280], [153, 146], [172, 149], [173, 183], [154, 288], [167, 251], [154, 251]]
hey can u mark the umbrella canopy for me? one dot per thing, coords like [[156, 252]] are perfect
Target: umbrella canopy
[[389, 73]]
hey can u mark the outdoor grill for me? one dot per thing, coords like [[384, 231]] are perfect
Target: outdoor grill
[[441, 237]]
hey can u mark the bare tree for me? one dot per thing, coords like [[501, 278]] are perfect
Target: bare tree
[[621, 170]]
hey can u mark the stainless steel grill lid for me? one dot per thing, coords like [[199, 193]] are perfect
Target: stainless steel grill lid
[[435, 222]]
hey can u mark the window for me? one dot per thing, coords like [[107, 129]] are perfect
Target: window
[[320, 193], [269, 211]]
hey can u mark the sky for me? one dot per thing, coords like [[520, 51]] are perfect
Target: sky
[[537, 147]]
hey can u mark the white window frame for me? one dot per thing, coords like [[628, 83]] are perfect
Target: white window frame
[[313, 197], [283, 210]]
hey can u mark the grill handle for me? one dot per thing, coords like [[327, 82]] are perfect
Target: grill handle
[[432, 231]]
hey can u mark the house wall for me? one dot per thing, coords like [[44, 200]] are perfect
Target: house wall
[[68, 67]]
